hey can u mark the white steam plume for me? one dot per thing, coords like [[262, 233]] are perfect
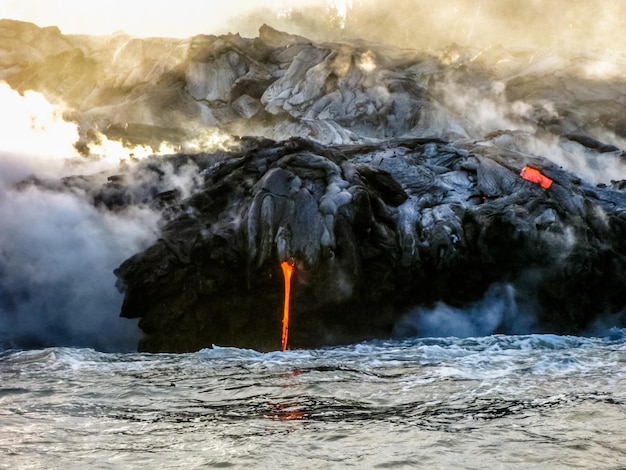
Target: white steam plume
[[433, 24], [497, 311], [37, 140], [57, 251], [57, 255], [474, 111]]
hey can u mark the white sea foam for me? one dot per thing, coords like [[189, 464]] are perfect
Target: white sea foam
[[416, 395]]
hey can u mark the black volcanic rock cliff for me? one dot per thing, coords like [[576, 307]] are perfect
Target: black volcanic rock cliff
[[374, 231], [392, 180]]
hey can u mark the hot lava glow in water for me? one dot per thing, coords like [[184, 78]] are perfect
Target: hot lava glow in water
[[287, 271]]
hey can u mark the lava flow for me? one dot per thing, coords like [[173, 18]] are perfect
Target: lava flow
[[535, 176], [287, 270]]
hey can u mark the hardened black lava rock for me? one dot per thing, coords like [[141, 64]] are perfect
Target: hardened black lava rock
[[373, 230]]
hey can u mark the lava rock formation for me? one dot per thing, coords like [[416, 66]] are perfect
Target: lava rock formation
[[374, 231], [390, 177]]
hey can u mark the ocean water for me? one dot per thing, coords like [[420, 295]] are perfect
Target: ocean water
[[535, 401]]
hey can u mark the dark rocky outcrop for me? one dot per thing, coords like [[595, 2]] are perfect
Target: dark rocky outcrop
[[392, 179], [374, 231]]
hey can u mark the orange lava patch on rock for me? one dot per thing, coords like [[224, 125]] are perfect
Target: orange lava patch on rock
[[535, 176]]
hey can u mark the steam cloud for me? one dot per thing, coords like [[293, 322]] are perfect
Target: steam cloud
[[57, 251], [499, 311], [431, 24], [473, 112], [564, 24]]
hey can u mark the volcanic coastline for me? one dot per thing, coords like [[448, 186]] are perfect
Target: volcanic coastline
[[393, 181]]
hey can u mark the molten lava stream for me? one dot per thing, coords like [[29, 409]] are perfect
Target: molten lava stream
[[535, 176], [287, 270]]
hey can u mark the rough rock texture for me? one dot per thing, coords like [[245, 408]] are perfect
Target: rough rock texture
[[280, 85], [374, 231], [392, 180]]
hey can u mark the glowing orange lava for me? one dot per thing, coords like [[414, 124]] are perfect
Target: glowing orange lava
[[287, 270], [535, 176]]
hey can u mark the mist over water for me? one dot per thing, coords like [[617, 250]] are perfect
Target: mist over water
[[499, 311], [58, 245], [58, 255], [57, 250]]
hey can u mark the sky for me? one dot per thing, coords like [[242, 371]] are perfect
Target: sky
[[179, 18]]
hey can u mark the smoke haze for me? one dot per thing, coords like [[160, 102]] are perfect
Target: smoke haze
[[564, 24]]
